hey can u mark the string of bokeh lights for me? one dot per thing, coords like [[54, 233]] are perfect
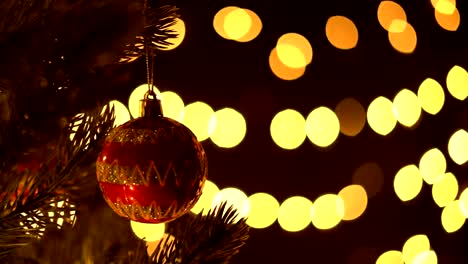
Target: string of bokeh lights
[[288, 60]]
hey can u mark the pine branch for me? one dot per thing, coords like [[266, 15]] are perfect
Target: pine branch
[[30, 196], [156, 32], [17, 14], [196, 239]]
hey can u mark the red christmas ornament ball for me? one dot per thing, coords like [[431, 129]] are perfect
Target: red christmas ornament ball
[[151, 169]]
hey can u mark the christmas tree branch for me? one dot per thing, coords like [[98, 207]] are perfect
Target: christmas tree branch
[[195, 239], [33, 201]]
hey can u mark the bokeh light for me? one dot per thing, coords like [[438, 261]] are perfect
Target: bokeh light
[[237, 23], [205, 201], [464, 202], [432, 165], [255, 27], [448, 22], [408, 183], [388, 12], [370, 176], [322, 126], [406, 108], [227, 128], [148, 232], [235, 198], [390, 257], [264, 210], [179, 29], [282, 71], [404, 40], [351, 115], [445, 190], [197, 118], [137, 95], [380, 116], [453, 217], [218, 20], [327, 211], [414, 246], [431, 96], [121, 112], [458, 147], [341, 32], [173, 106], [287, 129], [294, 213], [294, 50], [457, 82], [426, 257], [444, 6], [355, 201]]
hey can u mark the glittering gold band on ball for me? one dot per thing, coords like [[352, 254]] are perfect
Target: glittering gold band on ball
[[143, 136], [150, 214], [136, 175]]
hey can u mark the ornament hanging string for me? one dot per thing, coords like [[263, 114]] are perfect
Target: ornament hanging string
[[149, 52], [149, 67]]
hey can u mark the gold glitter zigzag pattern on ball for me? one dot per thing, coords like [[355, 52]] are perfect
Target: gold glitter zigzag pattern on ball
[[114, 173]]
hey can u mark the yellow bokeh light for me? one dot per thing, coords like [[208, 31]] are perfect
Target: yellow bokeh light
[[218, 20], [448, 22], [355, 201], [446, 7], [370, 176], [457, 82], [237, 23], [322, 126], [453, 217], [197, 118], [137, 95], [432, 165], [291, 56], [408, 182], [397, 26], [235, 198], [205, 201], [121, 112], [388, 12], [380, 116], [227, 128], [431, 96], [351, 115], [341, 32], [406, 108], [179, 29], [148, 232], [173, 106], [404, 40], [288, 129], [255, 28], [445, 190], [464, 202], [264, 210], [390, 257], [458, 147], [327, 211], [301, 44], [414, 246], [294, 213], [282, 71], [426, 257]]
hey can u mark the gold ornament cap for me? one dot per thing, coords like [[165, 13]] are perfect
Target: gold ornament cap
[[151, 106]]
